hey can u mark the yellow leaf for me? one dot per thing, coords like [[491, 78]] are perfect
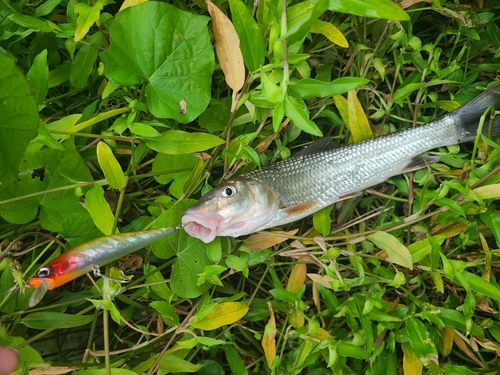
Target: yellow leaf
[[447, 343], [227, 47], [265, 240], [130, 3], [87, 16], [297, 278], [341, 104], [321, 279], [269, 338], [223, 314], [358, 122], [110, 167], [329, 31], [488, 191], [411, 364]]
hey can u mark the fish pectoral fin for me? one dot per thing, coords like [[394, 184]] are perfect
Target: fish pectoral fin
[[419, 162], [350, 195], [299, 209]]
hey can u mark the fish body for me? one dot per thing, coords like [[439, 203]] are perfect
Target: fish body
[[96, 253], [303, 184]]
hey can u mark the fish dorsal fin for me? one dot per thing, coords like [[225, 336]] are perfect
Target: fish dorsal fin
[[419, 162], [322, 144], [299, 209]]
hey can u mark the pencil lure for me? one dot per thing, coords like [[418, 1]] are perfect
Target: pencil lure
[[90, 256]]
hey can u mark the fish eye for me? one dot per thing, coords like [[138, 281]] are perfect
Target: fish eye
[[44, 272], [228, 191]]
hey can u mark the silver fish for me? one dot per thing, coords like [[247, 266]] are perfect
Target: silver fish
[[311, 180]]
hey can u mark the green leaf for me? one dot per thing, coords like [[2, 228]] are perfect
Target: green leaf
[[110, 166], [178, 142], [38, 77], [310, 88], [45, 320], [43, 170], [396, 251], [421, 343], [370, 8], [167, 312], [108, 305], [298, 114], [271, 91], [251, 41], [322, 220], [183, 63], [301, 17], [234, 360], [84, 61], [172, 363], [99, 209], [180, 165], [32, 23], [144, 130], [18, 119], [492, 219], [478, 284], [87, 16]]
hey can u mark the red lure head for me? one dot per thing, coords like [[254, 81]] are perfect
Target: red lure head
[[56, 273]]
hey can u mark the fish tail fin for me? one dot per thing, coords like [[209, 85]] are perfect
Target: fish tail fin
[[468, 115]]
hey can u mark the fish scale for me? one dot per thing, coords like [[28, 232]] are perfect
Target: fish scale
[[305, 183]]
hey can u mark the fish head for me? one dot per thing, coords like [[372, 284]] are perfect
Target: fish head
[[233, 209]]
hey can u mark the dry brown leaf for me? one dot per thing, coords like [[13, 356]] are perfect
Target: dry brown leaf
[[297, 277], [463, 347], [265, 240], [53, 370], [269, 338], [408, 3], [227, 47], [321, 279]]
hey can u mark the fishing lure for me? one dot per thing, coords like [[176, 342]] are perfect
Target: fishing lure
[[90, 256]]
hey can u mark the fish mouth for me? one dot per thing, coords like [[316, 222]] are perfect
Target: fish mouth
[[202, 227], [207, 227]]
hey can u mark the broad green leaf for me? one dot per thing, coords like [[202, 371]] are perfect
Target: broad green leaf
[[358, 122], [183, 63], [421, 343], [38, 77], [180, 167], [298, 114], [176, 142], [18, 119], [251, 41], [396, 251], [144, 130], [159, 284], [370, 8], [99, 209], [322, 220], [349, 350], [167, 312], [48, 319], [310, 88], [110, 167], [330, 31], [222, 315], [403, 92], [43, 170], [87, 16], [108, 305], [84, 61], [278, 114]]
